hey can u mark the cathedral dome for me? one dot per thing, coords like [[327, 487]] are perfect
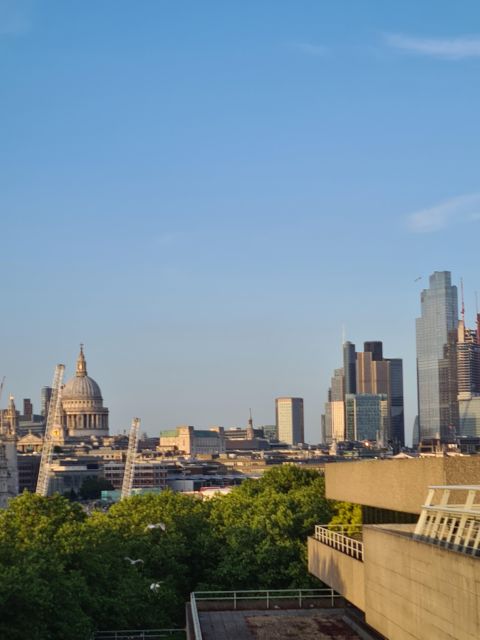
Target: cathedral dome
[[82, 387], [83, 412]]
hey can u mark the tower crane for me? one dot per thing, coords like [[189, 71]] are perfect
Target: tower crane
[[1, 412], [53, 422], [130, 460]]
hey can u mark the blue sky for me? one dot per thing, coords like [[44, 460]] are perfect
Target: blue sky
[[205, 193]]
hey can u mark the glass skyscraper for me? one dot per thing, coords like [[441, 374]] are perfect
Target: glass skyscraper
[[437, 402]]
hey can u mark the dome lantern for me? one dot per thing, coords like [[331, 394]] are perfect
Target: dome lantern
[[81, 364]]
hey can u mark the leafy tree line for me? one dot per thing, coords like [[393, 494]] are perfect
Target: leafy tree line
[[64, 574]]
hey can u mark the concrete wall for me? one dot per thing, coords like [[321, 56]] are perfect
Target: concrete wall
[[337, 570], [400, 485], [418, 591]]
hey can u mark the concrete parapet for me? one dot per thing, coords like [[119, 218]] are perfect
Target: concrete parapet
[[398, 485], [338, 570]]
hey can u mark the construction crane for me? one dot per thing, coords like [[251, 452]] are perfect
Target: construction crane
[[53, 422], [130, 460], [1, 412]]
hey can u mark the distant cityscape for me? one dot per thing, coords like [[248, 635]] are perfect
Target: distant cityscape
[[363, 417]]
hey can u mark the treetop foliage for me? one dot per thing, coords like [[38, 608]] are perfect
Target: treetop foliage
[[64, 573]]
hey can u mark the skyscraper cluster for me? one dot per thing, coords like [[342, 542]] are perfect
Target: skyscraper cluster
[[365, 399], [448, 365]]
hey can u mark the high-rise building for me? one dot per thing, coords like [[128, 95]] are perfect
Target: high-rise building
[[350, 367], [397, 417], [45, 396], [337, 406], [468, 379], [366, 373], [366, 413], [437, 403], [375, 347], [290, 422], [384, 376], [468, 360]]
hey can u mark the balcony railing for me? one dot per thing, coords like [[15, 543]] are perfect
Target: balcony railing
[[346, 539], [259, 599], [140, 634], [450, 518]]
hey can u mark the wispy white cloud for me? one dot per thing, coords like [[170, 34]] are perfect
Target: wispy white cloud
[[15, 17], [310, 48], [456, 210], [446, 48]]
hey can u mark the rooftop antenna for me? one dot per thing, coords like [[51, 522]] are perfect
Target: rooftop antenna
[[344, 334], [463, 301]]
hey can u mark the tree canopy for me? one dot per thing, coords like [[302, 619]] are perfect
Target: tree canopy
[[64, 573]]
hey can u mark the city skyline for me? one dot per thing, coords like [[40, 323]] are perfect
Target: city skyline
[[205, 196]]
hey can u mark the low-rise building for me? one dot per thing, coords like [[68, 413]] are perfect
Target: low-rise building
[[193, 441]]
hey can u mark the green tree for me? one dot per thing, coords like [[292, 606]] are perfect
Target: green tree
[[347, 518], [262, 527]]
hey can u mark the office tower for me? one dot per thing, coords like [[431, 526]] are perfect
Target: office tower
[[397, 417], [468, 360], [375, 347], [349, 367], [468, 379], [337, 406], [365, 414], [373, 376], [290, 424], [379, 375], [437, 409], [45, 396]]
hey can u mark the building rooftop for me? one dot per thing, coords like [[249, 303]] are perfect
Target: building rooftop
[[276, 625]]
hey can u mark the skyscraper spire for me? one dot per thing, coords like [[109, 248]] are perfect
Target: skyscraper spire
[[81, 364], [463, 301]]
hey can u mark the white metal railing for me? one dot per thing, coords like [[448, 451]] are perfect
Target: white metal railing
[[140, 634], [197, 629], [448, 522], [329, 535], [271, 598]]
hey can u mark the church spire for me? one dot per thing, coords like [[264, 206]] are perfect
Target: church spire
[[81, 364]]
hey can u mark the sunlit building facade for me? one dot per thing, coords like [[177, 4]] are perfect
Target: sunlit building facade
[[437, 402], [290, 420]]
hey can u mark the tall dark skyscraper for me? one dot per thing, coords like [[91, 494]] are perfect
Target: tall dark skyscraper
[[397, 417], [350, 367], [375, 347], [435, 329]]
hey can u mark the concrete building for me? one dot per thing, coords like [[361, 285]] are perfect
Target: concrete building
[[84, 415], [436, 390], [413, 569], [147, 474], [290, 420], [193, 441]]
